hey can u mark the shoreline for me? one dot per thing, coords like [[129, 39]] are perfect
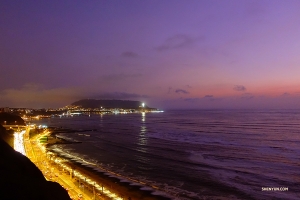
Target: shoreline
[[125, 188]]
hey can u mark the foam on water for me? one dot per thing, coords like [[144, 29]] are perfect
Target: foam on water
[[174, 151]]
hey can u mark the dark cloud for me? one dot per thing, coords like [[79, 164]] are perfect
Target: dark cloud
[[247, 96], [175, 42], [239, 88], [178, 91], [129, 54], [211, 98], [285, 94], [120, 95], [192, 99], [169, 90]]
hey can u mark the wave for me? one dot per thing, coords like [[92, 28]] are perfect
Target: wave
[[142, 183]]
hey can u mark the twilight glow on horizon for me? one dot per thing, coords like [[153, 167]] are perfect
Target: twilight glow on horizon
[[168, 54]]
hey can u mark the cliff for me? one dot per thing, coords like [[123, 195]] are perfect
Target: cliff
[[21, 179], [10, 119]]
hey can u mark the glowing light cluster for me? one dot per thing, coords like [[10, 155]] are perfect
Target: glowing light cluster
[[18, 142], [76, 173], [82, 177]]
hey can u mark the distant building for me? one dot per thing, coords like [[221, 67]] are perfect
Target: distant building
[[5, 109]]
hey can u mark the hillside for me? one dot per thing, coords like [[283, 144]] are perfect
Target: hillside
[[21, 179], [93, 103]]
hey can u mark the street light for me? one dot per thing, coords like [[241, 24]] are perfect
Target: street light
[[94, 190]]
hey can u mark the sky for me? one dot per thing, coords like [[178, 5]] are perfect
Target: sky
[[175, 54]]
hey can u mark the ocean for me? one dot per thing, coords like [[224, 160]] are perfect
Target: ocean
[[194, 154]]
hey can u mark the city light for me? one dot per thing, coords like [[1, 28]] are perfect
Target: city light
[[18, 142], [86, 179], [98, 188], [49, 169]]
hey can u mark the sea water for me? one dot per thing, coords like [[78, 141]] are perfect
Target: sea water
[[194, 154]]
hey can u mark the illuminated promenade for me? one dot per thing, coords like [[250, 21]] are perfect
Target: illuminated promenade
[[78, 185]]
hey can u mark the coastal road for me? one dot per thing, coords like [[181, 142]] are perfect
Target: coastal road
[[35, 153]]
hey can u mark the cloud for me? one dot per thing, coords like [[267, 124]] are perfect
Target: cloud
[[247, 96], [211, 98], [176, 42], [120, 95], [285, 94], [192, 99], [297, 93], [239, 88], [129, 54], [169, 90], [178, 91]]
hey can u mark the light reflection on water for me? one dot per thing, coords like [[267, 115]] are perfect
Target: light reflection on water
[[245, 150], [142, 140]]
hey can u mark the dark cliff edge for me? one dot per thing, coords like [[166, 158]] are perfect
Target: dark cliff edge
[[21, 179], [11, 119]]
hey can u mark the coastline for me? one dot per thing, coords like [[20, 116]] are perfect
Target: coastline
[[124, 188]]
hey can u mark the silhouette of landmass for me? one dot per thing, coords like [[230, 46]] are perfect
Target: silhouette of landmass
[[93, 103]]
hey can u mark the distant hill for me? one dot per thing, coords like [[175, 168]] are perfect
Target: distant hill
[[93, 103]]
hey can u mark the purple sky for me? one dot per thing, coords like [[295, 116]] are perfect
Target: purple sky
[[169, 54]]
